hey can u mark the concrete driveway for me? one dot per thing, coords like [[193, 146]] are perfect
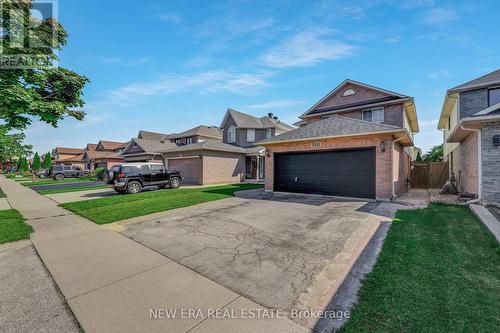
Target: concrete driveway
[[281, 251]]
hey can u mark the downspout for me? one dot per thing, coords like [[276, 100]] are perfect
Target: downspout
[[479, 165], [392, 165]]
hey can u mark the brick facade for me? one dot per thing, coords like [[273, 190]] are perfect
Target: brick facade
[[464, 163], [383, 160]]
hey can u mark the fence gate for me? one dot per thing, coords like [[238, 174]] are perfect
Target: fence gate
[[428, 174], [419, 175]]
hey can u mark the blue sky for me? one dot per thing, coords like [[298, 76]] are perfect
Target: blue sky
[[168, 66]]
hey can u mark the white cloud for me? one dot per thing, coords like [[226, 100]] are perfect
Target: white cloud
[[277, 104], [306, 48], [439, 16], [204, 82], [169, 17], [439, 74]]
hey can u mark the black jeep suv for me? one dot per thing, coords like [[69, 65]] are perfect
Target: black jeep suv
[[132, 177]]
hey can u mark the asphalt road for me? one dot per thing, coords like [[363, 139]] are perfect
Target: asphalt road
[[67, 185]]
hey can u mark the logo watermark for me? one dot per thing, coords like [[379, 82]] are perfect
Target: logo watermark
[[246, 313], [28, 35]]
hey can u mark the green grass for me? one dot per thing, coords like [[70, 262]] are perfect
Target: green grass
[[50, 181], [121, 207], [438, 271], [12, 226], [73, 189]]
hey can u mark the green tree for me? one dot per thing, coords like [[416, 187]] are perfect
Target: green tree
[[12, 146], [43, 90], [37, 163], [47, 161], [434, 155], [419, 157]]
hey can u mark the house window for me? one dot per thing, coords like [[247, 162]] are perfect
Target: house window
[[189, 141], [374, 115], [348, 92], [250, 135], [178, 141], [269, 133], [493, 96], [231, 134]]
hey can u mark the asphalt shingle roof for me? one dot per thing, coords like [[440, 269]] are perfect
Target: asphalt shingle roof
[[244, 120], [212, 131], [333, 126], [146, 135], [153, 146], [485, 80], [213, 145]]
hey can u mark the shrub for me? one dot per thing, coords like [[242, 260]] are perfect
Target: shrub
[[99, 173]]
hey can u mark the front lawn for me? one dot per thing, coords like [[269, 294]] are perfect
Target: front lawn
[[438, 271], [121, 207], [50, 181], [72, 189], [12, 226]]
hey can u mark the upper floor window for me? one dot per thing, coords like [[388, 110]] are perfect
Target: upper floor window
[[349, 92], [269, 133], [374, 115], [189, 141], [231, 134], [250, 135], [493, 96]]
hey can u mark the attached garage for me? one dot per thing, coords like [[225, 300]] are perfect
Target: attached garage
[[348, 173], [190, 168]]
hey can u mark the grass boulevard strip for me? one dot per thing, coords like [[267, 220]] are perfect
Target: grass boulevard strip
[[438, 271], [13, 226], [73, 189], [121, 207]]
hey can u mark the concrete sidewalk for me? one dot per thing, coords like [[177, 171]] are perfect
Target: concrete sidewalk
[[113, 284]]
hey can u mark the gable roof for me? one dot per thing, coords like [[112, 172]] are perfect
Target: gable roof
[[244, 120], [149, 146], [91, 146], [202, 130], [393, 96], [489, 79], [334, 126], [73, 151], [111, 145], [153, 136]]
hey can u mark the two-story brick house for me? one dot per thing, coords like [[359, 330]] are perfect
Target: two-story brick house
[[353, 142], [229, 157], [470, 121]]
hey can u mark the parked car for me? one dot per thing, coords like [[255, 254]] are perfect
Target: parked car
[[109, 176], [133, 177], [59, 172]]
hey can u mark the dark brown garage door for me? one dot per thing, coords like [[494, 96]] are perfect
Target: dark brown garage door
[[344, 172], [190, 169]]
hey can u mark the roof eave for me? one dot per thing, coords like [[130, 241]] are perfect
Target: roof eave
[[402, 100], [447, 108], [395, 131]]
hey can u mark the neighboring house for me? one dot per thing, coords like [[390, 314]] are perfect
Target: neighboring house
[[350, 143], [470, 120], [198, 134], [63, 155], [153, 136], [231, 156], [104, 154], [146, 150]]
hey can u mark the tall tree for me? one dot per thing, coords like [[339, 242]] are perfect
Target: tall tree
[[39, 90], [37, 163], [435, 154], [419, 157], [11, 145], [47, 161]]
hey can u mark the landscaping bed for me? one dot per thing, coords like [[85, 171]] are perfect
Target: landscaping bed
[[121, 207], [438, 271], [13, 226]]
